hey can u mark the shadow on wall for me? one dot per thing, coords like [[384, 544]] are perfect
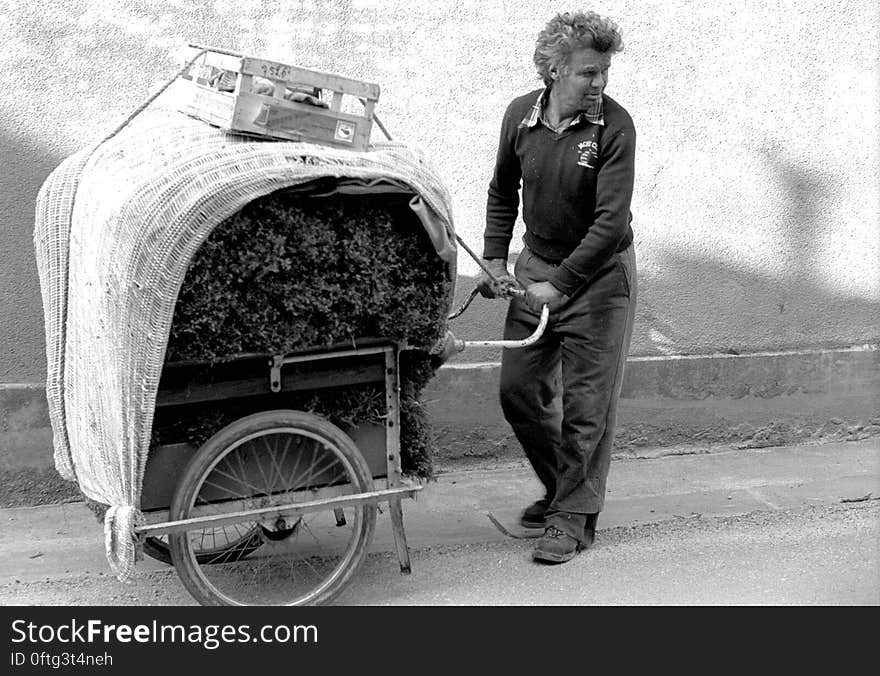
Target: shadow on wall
[[703, 307], [694, 305], [26, 164], [804, 195], [700, 307]]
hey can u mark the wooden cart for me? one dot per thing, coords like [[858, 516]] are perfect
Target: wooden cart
[[279, 506]]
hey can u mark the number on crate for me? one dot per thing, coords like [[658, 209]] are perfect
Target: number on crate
[[276, 71]]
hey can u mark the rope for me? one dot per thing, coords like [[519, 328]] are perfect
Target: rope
[[120, 542], [141, 107], [476, 259], [382, 127]]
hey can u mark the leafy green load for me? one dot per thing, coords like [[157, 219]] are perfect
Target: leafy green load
[[290, 272]]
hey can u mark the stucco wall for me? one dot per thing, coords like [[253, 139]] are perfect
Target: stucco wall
[[757, 194]]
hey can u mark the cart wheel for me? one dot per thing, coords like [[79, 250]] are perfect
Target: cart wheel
[[266, 459], [225, 545]]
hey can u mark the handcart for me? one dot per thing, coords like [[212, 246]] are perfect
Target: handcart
[[279, 506]]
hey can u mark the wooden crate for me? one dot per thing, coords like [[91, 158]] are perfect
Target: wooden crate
[[225, 89]]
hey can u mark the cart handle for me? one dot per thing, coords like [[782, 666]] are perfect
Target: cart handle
[[465, 305], [454, 344], [508, 291]]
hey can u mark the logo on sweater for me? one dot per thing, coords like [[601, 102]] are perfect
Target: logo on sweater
[[588, 153]]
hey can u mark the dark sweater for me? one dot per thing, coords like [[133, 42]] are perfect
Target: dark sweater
[[576, 191]]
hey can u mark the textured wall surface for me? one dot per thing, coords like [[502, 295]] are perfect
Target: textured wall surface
[[758, 168]]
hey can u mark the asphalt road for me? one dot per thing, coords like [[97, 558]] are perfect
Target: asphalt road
[[816, 555], [796, 525], [809, 556]]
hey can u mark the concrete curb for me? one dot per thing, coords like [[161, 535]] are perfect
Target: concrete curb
[[669, 405], [731, 401]]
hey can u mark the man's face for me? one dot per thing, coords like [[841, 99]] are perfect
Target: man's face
[[581, 81]]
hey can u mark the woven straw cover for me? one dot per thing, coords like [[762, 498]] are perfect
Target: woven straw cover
[[116, 228]]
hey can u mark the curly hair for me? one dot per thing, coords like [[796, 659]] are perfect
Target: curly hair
[[567, 32]]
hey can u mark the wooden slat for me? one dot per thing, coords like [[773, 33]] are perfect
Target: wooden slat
[[220, 50], [197, 392], [392, 453], [245, 84], [298, 122], [400, 544], [392, 417], [275, 70], [213, 58], [224, 61], [361, 351], [208, 104]]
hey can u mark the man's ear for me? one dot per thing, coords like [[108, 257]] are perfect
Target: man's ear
[[557, 71]]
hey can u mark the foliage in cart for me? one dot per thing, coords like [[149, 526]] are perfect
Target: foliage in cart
[[291, 272]]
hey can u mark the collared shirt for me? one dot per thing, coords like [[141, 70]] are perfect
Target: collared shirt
[[536, 114]]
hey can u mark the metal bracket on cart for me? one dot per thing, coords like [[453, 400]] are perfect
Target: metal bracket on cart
[[397, 487], [279, 360]]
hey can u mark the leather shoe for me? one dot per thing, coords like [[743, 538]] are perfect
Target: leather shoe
[[557, 546], [533, 515]]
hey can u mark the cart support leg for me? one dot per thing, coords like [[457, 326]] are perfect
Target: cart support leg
[[400, 536], [392, 454]]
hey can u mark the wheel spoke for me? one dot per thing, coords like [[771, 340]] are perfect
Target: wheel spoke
[[310, 532], [278, 468], [242, 481], [259, 463], [293, 474]]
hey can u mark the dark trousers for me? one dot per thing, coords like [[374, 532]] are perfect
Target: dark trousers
[[560, 394]]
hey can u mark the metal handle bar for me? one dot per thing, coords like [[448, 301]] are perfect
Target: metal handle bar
[[525, 342], [454, 344], [510, 291], [464, 306]]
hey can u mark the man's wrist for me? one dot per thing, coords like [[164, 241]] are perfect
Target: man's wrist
[[565, 281], [497, 266]]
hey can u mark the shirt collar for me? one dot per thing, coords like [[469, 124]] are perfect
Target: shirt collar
[[534, 115]]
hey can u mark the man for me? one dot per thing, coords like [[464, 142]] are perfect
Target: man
[[572, 148]]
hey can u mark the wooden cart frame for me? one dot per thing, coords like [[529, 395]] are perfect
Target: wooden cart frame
[[370, 364], [376, 363]]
